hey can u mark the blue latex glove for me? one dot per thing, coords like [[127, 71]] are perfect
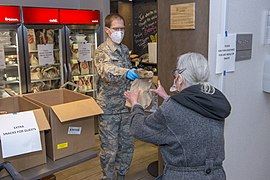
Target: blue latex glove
[[131, 74]]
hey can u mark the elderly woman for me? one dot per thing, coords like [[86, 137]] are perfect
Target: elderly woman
[[188, 126]]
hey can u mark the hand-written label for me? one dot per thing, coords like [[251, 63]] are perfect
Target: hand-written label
[[145, 26]]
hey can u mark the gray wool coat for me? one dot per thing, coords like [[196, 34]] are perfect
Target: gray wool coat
[[192, 146]]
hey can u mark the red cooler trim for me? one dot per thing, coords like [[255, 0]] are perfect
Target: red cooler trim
[[10, 14], [75, 16], [40, 15]]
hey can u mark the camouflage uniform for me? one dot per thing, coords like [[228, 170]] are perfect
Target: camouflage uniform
[[111, 63]]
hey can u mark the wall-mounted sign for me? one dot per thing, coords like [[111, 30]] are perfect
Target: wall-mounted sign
[[226, 50], [182, 16]]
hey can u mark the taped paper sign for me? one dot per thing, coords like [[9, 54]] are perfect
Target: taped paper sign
[[19, 134], [226, 51], [84, 50]]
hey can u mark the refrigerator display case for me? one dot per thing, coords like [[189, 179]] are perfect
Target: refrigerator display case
[[81, 41], [12, 78], [44, 49]]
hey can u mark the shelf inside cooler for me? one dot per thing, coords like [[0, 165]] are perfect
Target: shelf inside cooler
[[83, 75], [12, 65], [56, 64], [35, 51], [41, 80], [10, 82]]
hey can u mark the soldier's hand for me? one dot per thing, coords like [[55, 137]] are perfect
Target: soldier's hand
[[131, 74]]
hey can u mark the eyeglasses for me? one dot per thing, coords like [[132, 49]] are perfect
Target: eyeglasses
[[178, 71], [118, 29]]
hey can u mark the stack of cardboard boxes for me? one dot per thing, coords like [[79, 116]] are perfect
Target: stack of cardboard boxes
[[65, 118]]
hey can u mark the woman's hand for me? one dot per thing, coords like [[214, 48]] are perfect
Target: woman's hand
[[132, 97], [160, 91]]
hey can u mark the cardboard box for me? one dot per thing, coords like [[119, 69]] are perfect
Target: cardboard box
[[67, 109], [29, 160]]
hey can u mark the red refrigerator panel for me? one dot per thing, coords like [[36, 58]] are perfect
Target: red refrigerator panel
[[40, 15], [10, 14], [74, 16]]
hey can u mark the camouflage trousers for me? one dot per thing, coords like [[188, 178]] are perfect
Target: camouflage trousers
[[117, 146]]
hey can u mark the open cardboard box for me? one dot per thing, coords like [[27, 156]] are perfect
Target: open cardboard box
[[29, 160], [67, 110]]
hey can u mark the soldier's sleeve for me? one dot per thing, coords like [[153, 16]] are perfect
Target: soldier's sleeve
[[105, 69]]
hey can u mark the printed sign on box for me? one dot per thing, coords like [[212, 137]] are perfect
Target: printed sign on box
[[19, 134]]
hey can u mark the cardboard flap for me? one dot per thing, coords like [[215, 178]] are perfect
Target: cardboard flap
[[41, 119], [77, 109]]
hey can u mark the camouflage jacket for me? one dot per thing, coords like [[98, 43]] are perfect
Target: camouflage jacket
[[111, 63]]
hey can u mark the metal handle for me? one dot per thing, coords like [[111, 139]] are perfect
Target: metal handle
[[71, 84], [11, 170]]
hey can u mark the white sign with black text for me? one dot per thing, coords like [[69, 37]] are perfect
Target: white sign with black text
[[74, 130], [19, 134], [45, 54], [84, 50], [226, 51]]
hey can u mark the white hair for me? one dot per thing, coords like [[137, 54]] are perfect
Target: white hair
[[196, 71]]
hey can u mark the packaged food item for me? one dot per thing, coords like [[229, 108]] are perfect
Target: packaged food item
[[75, 70], [81, 84], [56, 57], [40, 35], [74, 51], [37, 87], [79, 38], [32, 45], [33, 60], [5, 38], [88, 82], [143, 74], [50, 72], [143, 84], [36, 74], [91, 38], [11, 59], [84, 68], [50, 36]]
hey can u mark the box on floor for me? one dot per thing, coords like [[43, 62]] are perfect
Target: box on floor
[[67, 112], [29, 160]]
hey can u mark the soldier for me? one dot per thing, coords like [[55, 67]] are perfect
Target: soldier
[[114, 76]]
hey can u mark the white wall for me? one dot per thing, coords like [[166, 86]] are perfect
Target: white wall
[[247, 130]]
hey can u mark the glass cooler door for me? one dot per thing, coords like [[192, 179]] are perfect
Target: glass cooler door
[[10, 63], [45, 60], [80, 49]]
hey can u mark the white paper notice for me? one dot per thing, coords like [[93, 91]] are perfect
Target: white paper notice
[[19, 134], [84, 50], [74, 130], [226, 50], [2, 57], [45, 54]]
